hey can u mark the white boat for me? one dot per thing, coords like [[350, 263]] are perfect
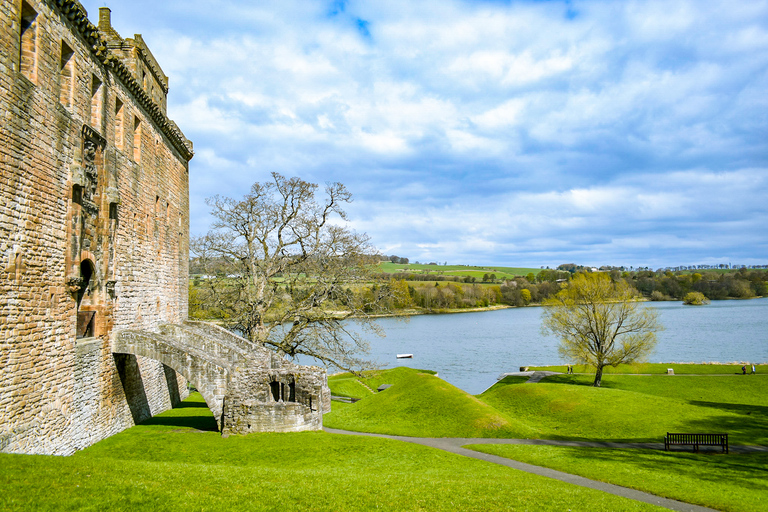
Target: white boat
[[405, 356]]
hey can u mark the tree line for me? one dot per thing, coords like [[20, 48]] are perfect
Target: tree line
[[457, 292], [438, 292]]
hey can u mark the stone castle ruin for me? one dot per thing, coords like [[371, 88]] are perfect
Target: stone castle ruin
[[94, 250]]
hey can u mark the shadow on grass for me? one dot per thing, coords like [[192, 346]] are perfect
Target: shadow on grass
[[191, 413], [747, 471], [194, 422], [746, 424]]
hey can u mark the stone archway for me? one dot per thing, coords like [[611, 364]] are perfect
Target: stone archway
[[209, 375], [247, 387]]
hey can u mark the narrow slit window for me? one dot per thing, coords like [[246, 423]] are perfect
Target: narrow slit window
[[119, 133], [28, 40], [275, 388], [66, 75], [96, 98], [136, 139]]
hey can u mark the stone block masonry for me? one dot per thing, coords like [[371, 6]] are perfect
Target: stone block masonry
[[94, 216], [94, 250], [247, 387]]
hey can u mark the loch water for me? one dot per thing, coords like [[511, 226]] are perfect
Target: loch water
[[470, 350]]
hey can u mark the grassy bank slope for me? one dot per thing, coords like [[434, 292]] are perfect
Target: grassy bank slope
[[422, 405], [637, 408], [174, 464], [626, 408]]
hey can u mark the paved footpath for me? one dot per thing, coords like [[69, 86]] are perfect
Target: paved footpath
[[454, 445]]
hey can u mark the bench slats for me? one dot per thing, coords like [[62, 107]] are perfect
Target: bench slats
[[695, 440]]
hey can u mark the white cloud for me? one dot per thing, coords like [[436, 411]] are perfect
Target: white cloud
[[519, 133]]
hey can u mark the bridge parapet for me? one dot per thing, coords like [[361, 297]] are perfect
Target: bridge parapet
[[247, 387], [199, 341], [230, 339], [210, 375]]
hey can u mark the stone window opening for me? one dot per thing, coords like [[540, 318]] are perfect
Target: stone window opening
[[77, 193], [119, 115], [278, 390], [66, 75], [28, 41], [96, 97], [136, 140], [85, 318]]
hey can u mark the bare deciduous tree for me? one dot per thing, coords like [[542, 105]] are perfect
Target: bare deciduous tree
[[285, 272], [600, 324]]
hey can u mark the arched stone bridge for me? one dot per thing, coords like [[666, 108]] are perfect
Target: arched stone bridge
[[247, 387]]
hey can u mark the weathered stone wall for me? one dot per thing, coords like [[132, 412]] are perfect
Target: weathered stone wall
[[292, 398], [94, 222], [247, 387]]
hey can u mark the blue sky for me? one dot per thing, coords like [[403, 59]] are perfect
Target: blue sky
[[512, 133]]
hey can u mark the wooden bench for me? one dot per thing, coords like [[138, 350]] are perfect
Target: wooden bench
[[696, 440]]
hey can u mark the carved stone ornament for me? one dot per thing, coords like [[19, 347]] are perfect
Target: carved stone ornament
[[78, 176], [113, 196], [110, 286], [74, 284], [91, 177]]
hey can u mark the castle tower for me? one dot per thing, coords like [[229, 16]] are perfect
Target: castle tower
[[94, 227]]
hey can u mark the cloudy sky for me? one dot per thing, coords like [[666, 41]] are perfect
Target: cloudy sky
[[515, 133]]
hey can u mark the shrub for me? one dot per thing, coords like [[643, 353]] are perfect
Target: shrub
[[695, 299]]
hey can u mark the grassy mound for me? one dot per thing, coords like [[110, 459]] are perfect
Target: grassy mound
[[627, 407], [635, 408], [174, 464], [422, 405], [348, 385]]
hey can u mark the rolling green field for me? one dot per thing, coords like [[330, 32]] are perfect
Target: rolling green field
[[177, 463], [177, 460], [457, 270], [636, 408], [626, 408]]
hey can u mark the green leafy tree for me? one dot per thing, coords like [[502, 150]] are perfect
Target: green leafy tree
[[525, 294], [600, 324]]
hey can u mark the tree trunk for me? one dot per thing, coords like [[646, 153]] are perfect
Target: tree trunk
[[598, 377]]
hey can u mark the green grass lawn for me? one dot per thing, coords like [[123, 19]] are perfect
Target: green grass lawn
[[626, 408], [176, 463], [458, 270], [177, 460], [422, 405], [734, 482], [660, 368], [634, 408]]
